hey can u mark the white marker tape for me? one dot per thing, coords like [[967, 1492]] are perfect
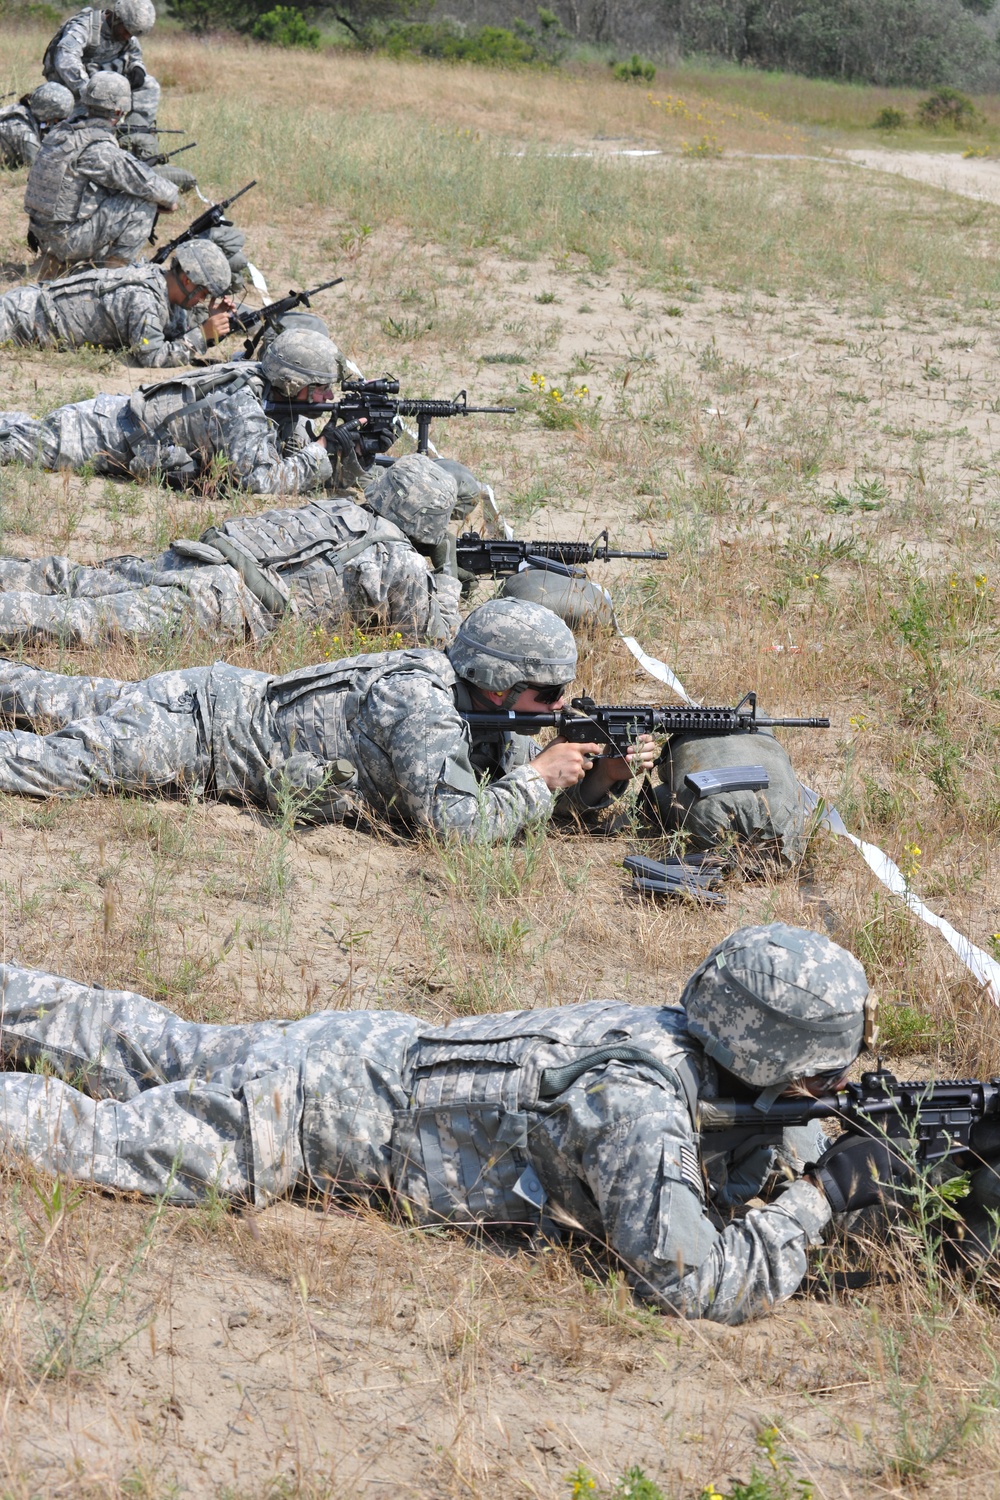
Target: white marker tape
[[979, 963]]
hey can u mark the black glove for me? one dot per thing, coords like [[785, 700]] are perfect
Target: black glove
[[341, 439], [857, 1172], [136, 76]]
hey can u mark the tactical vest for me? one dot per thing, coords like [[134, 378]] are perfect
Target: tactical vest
[[86, 288], [461, 1150], [315, 708], [285, 539], [178, 416], [56, 193], [94, 50]]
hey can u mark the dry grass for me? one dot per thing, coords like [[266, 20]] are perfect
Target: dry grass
[[783, 390]]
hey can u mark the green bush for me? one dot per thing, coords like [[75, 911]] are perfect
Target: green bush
[[492, 46], [636, 70], [285, 27], [890, 119], [948, 109]]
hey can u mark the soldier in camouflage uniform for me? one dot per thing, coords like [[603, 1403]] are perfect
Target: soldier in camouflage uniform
[[24, 125], [381, 732], [582, 1117], [132, 308], [176, 429], [86, 198], [330, 562], [107, 41]]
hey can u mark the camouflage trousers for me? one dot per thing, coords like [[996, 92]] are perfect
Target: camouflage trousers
[[20, 320], [118, 229], [179, 1110], [56, 599], [97, 431], [178, 731]]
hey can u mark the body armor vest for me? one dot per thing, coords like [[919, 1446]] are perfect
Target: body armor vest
[[98, 50], [55, 192], [285, 539], [179, 415], [308, 545], [76, 299], [461, 1150], [315, 707]]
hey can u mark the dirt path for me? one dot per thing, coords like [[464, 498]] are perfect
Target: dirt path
[[971, 177]]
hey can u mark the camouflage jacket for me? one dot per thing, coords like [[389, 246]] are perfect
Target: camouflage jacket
[[85, 45], [20, 136], [397, 717], [121, 308]]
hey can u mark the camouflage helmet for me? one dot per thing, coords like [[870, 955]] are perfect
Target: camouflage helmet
[[301, 319], [230, 241], [469, 489], [415, 495], [137, 16], [107, 94], [50, 102], [507, 643], [206, 266], [776, 1003], [299, 358]]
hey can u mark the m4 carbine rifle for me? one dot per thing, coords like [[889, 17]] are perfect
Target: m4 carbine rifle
[[248, 319], [926, 1121], [619, 725], [369, 412], [213, 216], [500, 559]]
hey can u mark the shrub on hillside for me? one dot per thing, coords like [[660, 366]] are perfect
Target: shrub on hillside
[[890, 119], [636, 70], [948, 109], [285, 27]]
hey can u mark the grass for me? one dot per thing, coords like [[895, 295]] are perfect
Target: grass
[[790, 385]]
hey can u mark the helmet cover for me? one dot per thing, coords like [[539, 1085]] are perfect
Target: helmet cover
[[416, 495], [505, 642], [775, 1003]]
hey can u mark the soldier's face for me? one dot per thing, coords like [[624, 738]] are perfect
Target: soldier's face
[[528, 701], [314, 394], [120, 32]]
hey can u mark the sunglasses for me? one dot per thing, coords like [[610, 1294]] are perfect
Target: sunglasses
[[549, 693]]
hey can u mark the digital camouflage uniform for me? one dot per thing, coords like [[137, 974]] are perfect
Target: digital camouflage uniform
[[124, 307], [170, 429], [394, 716], [581, 1117], [87, 199], [328, 560], [20, 136], [85, 45]]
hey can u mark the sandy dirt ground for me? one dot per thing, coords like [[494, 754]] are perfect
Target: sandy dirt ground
[[316, 1352]]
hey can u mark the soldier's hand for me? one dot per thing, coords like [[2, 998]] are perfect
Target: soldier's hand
[[637, 760], [563, 764], [215, 327]]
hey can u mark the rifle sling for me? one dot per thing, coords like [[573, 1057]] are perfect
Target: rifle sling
[[683, 1077], [257, 581]]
